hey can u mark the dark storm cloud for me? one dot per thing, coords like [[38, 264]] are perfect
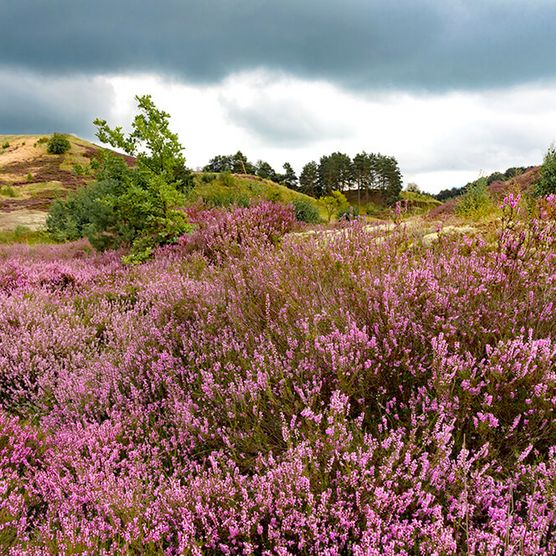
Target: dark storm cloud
[[31, 104], [361, 44]]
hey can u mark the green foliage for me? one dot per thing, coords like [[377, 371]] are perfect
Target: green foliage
[[30, 177], [309, 179], [335, 173], [58, 144], [6, 145], [227, 179], [305, 211], [334, 203], [155, 147], [208, 177], [135, 207], [372, 209], [80, 169], [289, 177], [546, 184], [476, 202], [7, 191], [266, 171], [22, 234]]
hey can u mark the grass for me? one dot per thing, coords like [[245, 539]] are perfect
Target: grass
[[231, 189], [22, 234]]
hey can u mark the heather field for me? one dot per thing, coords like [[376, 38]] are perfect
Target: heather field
[[255, 391]]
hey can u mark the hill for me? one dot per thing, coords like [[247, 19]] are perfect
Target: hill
[[498, 189], [31, 178], [239, 189]]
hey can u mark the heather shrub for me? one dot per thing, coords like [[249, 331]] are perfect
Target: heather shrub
[[249, 391]]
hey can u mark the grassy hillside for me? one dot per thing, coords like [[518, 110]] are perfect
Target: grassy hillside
[[241, 189]]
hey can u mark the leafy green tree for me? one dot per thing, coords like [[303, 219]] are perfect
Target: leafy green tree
[[58, 144], [334, 203], [309, 179], [546, 184], [154, 146], [130, 207]]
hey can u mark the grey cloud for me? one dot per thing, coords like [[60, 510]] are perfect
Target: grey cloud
[[32, 103], [283, 122], [361, 44]]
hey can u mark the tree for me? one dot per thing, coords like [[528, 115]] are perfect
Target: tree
[[390, 178], [335, 202], [219, 163], [546, 184], [335, 172], [151, 142], [309, 179], [412, 187], [266, 171], [289, 178], [240, 164], [362, 173], [130, 207]]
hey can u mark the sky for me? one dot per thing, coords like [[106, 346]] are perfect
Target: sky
[[452, 88]]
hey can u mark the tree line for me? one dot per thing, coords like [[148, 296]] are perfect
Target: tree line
[[365, 173]]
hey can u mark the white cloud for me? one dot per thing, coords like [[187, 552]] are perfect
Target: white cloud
[[440, 140]]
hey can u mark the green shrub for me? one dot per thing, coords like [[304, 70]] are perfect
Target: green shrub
[[58, 144], [41, 141], [227, 179], [79, 169], [8, 191], [208, 177], [30, 177], [5, 145], [547, 180], [372, 209], [305, 211], [476, 202]]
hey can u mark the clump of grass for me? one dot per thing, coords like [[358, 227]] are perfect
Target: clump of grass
[[6, 145], [7, 191], [23, 234]]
